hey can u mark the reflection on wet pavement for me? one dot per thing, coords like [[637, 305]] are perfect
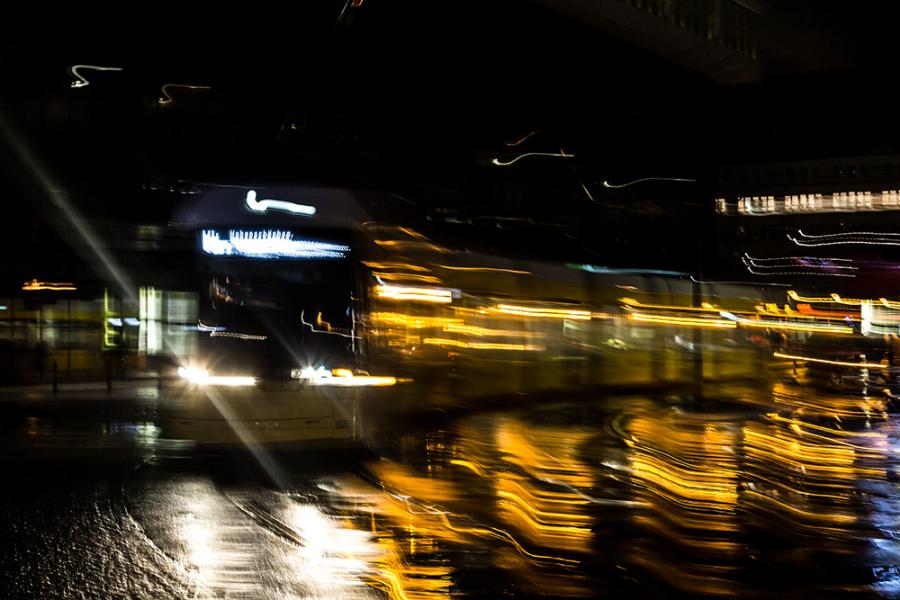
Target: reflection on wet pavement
[[751, 492]]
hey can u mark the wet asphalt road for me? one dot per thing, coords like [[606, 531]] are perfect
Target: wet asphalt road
[[751, 491]]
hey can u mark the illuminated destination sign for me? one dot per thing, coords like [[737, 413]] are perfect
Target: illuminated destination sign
[[268, 244]]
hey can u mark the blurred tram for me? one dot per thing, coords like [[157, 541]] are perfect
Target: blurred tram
[[310, 310], [278, 290]]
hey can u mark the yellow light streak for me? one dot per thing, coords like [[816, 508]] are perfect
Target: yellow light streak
[[481, 345], [415, 293], [412, 321], [396, 265], [789, 326], [706, 307], [832, 298], [541, 312], [407, 277], [837, 363], [690, 321], [411, 245], [35, 286], [486, 270], [487, 332]]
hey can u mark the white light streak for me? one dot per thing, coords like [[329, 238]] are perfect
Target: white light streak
[[541, 312], [790, 263], [787, 325], [837, 363], [867, 238], [167, 98], [499, 163], [818, 263], [262, 206], [239, 336], [269, 244], [82, 82], [607, 184]]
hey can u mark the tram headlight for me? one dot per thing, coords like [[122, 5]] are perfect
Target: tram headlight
[[197, 376], [341, 378]]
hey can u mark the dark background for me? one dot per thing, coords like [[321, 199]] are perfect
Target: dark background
[[413, 99]]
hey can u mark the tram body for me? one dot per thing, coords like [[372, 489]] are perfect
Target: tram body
[[311, 311]]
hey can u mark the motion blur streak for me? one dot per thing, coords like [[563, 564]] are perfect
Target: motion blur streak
[[689, 321], [415, 293], [837, 363], [540, 312]]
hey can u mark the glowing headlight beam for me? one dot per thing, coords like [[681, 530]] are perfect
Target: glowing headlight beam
[[81, 81], [166, 98], [340, 378], [609, 185], [267, 204], [497, 162], [837, 363], [202, 377]]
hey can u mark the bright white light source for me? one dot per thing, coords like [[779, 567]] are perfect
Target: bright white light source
[[269, 244], [340, 377], [413, 293], [82, 82], [202, 377], [114, 321], [266, 204]]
